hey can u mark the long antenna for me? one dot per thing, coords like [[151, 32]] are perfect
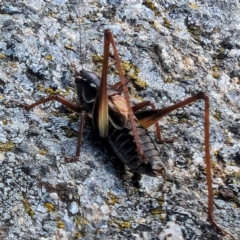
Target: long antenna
[[80, 33], [52, 39]]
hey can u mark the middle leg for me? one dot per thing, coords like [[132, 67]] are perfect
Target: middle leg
[[146, 104]]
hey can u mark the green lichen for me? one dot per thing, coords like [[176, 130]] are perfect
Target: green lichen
[[195, 31], [217, 115], [161, 200], [40, 87], [215, 71], [182, 118], [131, 72], [49, 206], [216, 192], [151, 5], [215, 75], [122, 224], [53, 14], [98, 61], [46, 119], [220, 54], [97, 58], [81, 221], [69, 47], [2, 56], [78, 235], [112, 199], [236, 201], [127, 67], [5, 122], [48, 57], [168, 80], [125, 224], [109, 13], [6, 147], [138, 98], [166, 22], [238, 82], [73, 117], [43, 152], [161, 214], [93, 18], [56, 113], [235, 175], [193, 5], [50, 91], [140, 83], [215, 68], [12, 64], [171, 120], [216, 29], [28, 208], [69, 133], [213, 165], [60, 224], [228, 141], [157, 211]]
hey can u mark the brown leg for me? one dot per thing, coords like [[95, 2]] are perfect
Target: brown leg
[[145, 104], [208, 167], [80, 134], [107, 40], [150, 117], [118, 86], [100, 108], [73, 107], [65, 102]]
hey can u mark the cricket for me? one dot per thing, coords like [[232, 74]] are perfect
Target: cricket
[[108, 108], [125, 126]]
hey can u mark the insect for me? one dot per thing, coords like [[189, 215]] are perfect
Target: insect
[[124, 126]]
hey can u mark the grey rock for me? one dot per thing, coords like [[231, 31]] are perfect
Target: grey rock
[[73, 208], [177, 49]]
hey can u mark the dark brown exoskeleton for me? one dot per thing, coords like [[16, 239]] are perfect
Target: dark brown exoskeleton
[[125, 126]]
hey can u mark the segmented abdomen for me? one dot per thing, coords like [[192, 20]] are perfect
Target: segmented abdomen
[[122, 143]]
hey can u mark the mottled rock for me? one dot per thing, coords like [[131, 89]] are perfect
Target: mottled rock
[[73, 208]]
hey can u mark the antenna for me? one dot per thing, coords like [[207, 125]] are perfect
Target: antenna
[[50, 38], [79, 13], [80, 32]]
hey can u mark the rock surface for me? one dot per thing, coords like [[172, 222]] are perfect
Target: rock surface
[[169, 50]]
